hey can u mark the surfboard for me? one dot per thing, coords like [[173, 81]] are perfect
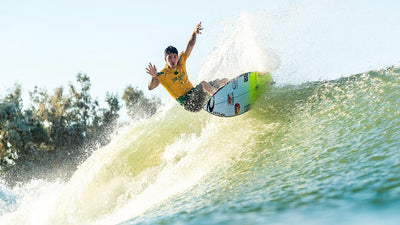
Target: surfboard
[[238, 95]]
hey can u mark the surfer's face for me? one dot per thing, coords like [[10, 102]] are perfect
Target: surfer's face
[[172, 60]]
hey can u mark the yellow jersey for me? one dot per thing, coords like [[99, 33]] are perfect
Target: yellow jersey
[[175, 80]]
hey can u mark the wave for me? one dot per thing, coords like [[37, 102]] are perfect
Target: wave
[[317, 143], [315, 132], [318, 146]]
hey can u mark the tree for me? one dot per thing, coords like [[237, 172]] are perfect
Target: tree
[[111, 115], [138, 106], [15, 126], [82, 106], [64, 120], [58, 117], [102, 125]]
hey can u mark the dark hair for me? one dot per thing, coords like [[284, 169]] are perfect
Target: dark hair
[[170, 49]]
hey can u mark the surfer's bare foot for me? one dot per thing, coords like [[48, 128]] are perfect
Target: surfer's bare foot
[[222, 82], [208, 88]]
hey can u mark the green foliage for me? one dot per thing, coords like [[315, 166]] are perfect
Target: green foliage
[[109, 118], [64, 120], [15, 126], [138, 106], [110, 115]]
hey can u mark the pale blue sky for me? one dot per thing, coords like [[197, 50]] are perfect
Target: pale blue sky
[[46, 43]]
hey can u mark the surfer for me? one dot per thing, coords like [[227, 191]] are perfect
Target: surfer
[[175, 80]]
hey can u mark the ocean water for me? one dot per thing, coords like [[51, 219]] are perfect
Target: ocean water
[[316, 152]]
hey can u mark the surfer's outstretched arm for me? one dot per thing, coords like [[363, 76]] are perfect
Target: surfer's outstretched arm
[[192, 40], [154, 82]]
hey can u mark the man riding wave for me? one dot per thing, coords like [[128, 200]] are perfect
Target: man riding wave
[[175, 80]]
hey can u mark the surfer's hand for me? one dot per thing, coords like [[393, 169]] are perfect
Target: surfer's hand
[[198, 29], [152, 70]]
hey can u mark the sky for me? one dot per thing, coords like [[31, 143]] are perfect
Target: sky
[[47, 43]]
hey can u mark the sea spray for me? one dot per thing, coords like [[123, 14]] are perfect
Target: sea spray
[[334, 152], [240, 49], [319, 148], [32, 203]]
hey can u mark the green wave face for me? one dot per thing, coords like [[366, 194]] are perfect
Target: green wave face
[[302, 150]]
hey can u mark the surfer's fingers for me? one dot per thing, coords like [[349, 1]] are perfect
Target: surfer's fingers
[[150, 69], [151, 66], [198, 28]]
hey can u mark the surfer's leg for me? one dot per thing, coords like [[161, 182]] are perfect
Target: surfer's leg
[[208, 88], [218, 83], [196, 99]]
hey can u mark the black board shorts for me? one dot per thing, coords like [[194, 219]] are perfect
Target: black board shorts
[[195, 99]]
